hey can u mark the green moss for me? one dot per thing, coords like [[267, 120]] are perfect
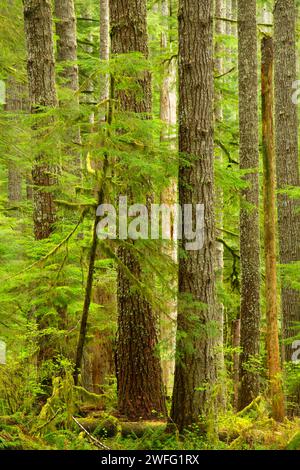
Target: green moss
[[139, 428], [108, 427]]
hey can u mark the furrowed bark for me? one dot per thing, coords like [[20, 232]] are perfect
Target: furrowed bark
[[42, 93], [249, 219], [287, 170], [196, 361], [139, 378]]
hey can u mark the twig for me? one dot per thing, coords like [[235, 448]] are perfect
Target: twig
[[231, 250], [80, 18], [221, 229], [225, 73], [95, 441], [226, 151], [229, 20], [169, 59]]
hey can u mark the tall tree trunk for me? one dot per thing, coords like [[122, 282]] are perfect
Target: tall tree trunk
[[287, 165], [67, 55], [219, 51], [67, 41], [274, 368], [42, 93], [249, 219], [104, 46], [228, 14], [140, 390], [98, 358], [195, 369], [89, 281], [233, 16], [168, 115], [86, 81], [236, 341], [13, 104]]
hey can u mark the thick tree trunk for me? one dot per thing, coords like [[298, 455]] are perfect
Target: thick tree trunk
[[196, 365], [274, 369], [249, 219], [140, 389], [287, 167], [42, 93]]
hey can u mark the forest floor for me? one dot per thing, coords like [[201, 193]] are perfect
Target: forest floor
[[250, 430]]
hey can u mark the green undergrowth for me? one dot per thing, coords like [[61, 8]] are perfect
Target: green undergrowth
[[251, 431], [72, 418]]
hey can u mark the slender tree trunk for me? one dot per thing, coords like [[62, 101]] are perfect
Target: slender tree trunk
[[140, 389], [89, 282], [274, 369], [249, 219], [228, 14], [235, 327], [42, 93], [168, 115], [236, 340], [287, 168], [219, 52], [87, 82], [98, 357], [196, 364], [14, 104], [233, 16], [67, 42], [104, 46], [67, 55]]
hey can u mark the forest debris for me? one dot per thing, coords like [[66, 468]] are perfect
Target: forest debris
[[90, 423], [252, 406], [61, 400], [95, 441]]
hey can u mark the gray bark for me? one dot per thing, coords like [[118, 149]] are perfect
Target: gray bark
[[287, 166], [196, 364], [41, 79], [249, 219], [67, 41], [14, 103]]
